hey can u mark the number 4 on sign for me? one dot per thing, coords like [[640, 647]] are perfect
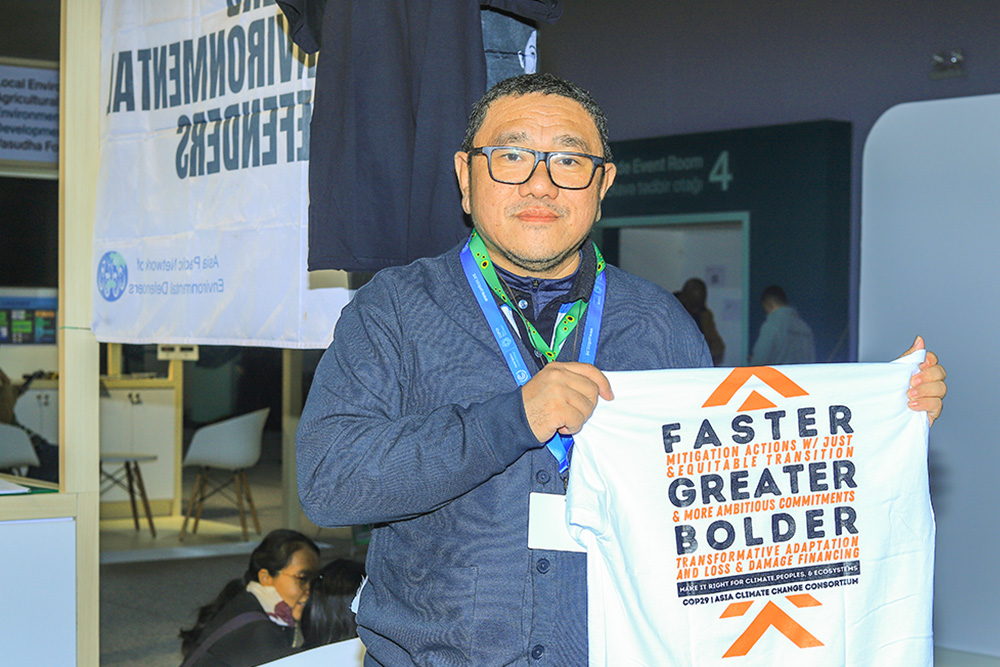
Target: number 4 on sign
[[720, 171]]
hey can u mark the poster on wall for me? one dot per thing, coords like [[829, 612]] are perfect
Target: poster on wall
[[29, 113], [28, 316], [201, 219], [757, 516]]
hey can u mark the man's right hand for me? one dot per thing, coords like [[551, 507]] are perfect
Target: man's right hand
[[562, 396]]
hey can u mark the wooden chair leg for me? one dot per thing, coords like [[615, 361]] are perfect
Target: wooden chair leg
[[131, 493], [239, 503], [192, 504], [190, 509], [201, 499], [145, 499], [253, 510]]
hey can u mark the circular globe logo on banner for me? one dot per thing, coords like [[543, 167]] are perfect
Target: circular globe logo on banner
[[112, 276]]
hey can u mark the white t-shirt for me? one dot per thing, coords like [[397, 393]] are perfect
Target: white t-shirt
[[772, 515]]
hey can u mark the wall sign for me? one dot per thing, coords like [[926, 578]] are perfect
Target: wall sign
[[28, 316], [29, 113], [794, 180]]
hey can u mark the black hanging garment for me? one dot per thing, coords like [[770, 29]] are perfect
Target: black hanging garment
[[394, 87], [509, 43]]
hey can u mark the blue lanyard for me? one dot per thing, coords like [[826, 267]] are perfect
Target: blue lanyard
[[559, 445]]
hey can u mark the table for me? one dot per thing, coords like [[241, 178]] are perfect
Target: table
[[128, 476]]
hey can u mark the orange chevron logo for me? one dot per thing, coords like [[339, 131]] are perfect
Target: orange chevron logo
[[773, 378], [771, 616]]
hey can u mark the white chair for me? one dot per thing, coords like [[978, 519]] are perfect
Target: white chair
[[16, 451], [231, 444]]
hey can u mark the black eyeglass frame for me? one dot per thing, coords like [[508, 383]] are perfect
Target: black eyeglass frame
[[540, 156]]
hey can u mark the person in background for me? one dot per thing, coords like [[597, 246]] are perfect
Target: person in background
[[327, 616], [784, 337], [48, 454], [254, 619], [693, 296]]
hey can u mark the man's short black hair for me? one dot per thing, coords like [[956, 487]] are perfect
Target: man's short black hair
[[546, 84], [774, 293]]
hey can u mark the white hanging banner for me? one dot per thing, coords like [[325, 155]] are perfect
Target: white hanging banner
[[201, 222], [756, 516]]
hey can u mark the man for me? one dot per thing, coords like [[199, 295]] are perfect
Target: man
[[784, 337], [416, 422], [693, 296], [529, 56]]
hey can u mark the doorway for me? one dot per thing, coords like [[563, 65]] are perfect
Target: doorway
[[669, 249]]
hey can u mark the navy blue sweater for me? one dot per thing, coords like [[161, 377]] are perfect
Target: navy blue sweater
[[414, 423]]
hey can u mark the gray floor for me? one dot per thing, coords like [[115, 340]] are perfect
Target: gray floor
[[143, 605], [151, 588]]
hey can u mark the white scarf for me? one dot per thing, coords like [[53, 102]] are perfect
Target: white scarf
[[276, 609]]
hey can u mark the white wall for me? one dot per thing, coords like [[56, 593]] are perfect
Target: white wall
[[670, 255], [929, 265], [38, 616], [19, 360]]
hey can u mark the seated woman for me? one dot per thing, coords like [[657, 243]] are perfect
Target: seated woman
[[254, 619], [48, 454], [327, 616]]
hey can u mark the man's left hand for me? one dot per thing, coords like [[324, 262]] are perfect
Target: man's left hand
[[927, 388]]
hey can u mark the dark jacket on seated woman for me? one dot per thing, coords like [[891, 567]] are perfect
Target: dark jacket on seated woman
[[256, 642], [254, 619]]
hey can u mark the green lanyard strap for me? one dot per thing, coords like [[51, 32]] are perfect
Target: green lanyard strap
[[563, 328]]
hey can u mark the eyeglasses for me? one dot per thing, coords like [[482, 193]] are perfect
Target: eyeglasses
[[304, 579], [513, 165]]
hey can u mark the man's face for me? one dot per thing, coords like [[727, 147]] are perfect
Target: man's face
[[534, 228]]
